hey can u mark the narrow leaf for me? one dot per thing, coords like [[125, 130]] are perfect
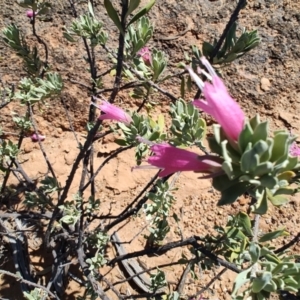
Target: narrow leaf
[[142, 12], [91, 10], [240, 280], [113, 15], [273, 235], [132, 6]]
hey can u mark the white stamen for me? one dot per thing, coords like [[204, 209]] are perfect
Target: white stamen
[[206, 74], [145, 167], [196, 78], [92, 103], [208, 66]]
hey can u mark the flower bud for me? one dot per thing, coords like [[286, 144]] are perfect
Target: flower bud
[[37, 137], [145, 54], [29, 13]]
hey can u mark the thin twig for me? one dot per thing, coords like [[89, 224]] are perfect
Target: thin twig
[[120, 55], [80, 83], [25, 215], [216, 49], [2, 105], [40, 41], [183, 278], [69, 181], [42, 147], [145, 296], [140, 77], [70, 121], [150, 183], [89, 275], [113, 155], [167, 247], [255, 240], [6, 177], [210, 283], [145, 99], [294, 241], [147, 271], [241, 4], [134, 210], [111, 287], [29, 283], [128, 85]]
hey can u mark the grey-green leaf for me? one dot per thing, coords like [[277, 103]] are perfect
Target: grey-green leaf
[[260, 282], [91, 10], [273, 235], [240, 280], [254, 251]]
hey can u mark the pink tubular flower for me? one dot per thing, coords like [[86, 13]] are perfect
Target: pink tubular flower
[[37, 137], [171, 159], [295, 150], [145, 54], [218, 102], [113, 112]]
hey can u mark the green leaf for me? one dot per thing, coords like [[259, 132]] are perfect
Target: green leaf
[[245, 137], [189, 84], [273, 235], [91, 10], [281, 267], [254, 122], [267, 155], [294, 269], [221, 183], [260, 132], [263, 168], [240, 280], [207, 49], [293, 161], [280, 147], [291, 284], [254, 251], [260, 282], [227, 167], [161, 122], [182, 87], [261, 206], [250, 158], [113, 15], [270, 287], [154, 136], [231, 194], [68, 37], [268, 181], [280, 283], [229, 41], [279, 200], [244, 220], [121, 142], [142, 12], [276, 200], [132, 6]]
